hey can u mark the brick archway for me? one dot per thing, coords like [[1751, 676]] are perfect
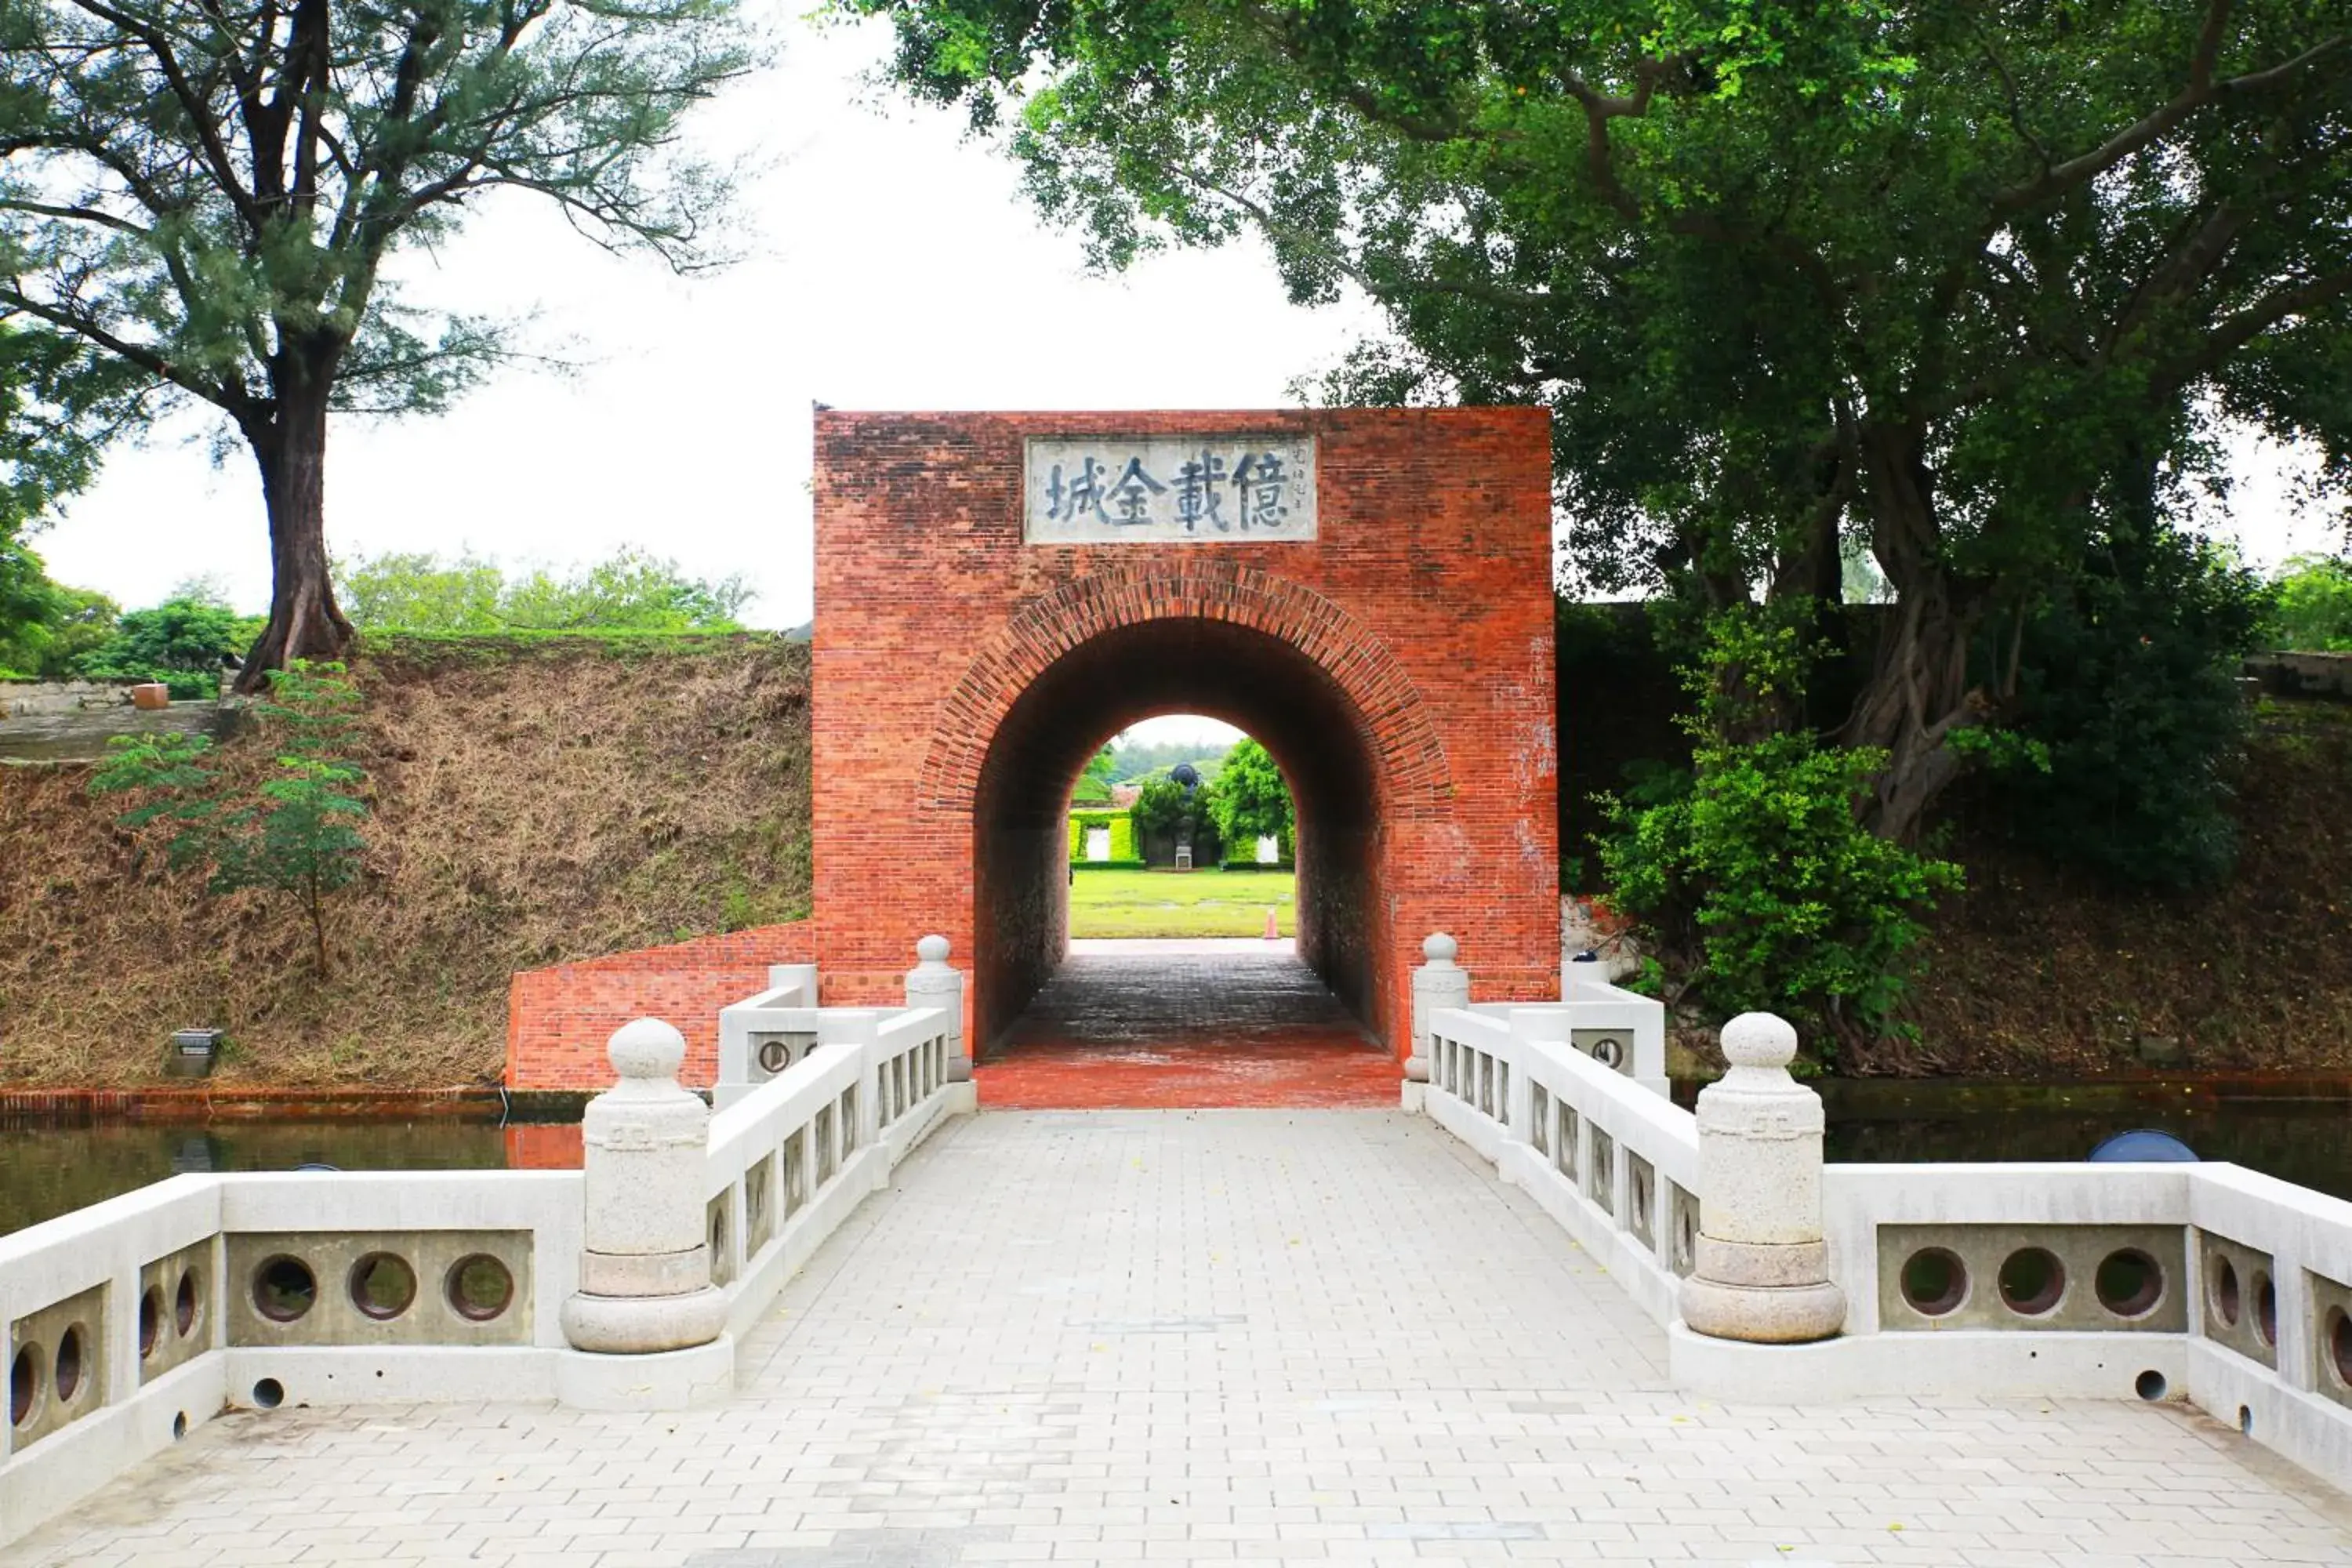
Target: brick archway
[[1404, 743], [1396, 656]]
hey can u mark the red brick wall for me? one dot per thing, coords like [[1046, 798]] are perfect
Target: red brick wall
[[559, 1019], [1425, 600]]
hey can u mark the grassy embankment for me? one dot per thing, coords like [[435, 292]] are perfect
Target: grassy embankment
[[1161, 903], [533, 801], [545, 800]]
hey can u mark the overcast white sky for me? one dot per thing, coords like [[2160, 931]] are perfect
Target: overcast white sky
[[891, 265]]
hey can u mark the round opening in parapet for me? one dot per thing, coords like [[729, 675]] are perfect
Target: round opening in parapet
[[2339, 1345], [2224, 1278], [2265, 1308], [2150, 1385], [2031, 1281], [23, 1385], [66, 1373], [2246, 1420], [284, 1289], [179, 1425], [150, 1320], [383, 1286], [186, 1303], [269, 1393], [479, 1287], [2129, 1283], [1935, 1281]]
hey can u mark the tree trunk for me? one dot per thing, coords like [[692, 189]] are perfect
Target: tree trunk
[[1918, 691], [290, 447]]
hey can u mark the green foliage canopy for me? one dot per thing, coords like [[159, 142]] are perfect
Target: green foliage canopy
[[185, 642], [60, 406], [2129, 714], [1249, 801], [45, 628], [1975, 284], [206, 194], [2315, 604], [631, 590]]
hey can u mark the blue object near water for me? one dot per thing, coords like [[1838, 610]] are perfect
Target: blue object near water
[[2143, 1145]]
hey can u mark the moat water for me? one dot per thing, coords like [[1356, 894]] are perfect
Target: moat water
[[46, 1171]]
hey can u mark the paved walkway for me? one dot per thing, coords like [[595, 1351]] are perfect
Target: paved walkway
[[1228, 1337], [1186, 1025]]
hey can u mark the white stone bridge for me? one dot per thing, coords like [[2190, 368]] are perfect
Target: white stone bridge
[[1451, 1332]]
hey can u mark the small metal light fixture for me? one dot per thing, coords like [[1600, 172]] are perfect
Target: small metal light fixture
[[192, 1053]]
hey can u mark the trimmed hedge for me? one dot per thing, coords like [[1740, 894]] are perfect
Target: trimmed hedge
[[1109, 864], [1123, 850], [1253, 864]]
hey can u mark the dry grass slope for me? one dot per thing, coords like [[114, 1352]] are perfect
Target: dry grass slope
[[535, 802], [2040, 973]]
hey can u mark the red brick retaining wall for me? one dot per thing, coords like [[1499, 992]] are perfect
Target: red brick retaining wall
[[559, 1019]]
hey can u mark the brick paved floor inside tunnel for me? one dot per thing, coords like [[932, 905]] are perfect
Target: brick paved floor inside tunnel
[[1186, 1025], [1212, 1338]]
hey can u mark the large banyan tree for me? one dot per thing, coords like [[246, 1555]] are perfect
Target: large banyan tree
[[1971, 282]]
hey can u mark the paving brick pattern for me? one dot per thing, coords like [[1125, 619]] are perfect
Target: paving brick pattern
[[1191, 1024], [1220, 1337]]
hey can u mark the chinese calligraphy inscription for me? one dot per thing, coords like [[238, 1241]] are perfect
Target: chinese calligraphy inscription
[[1169, 490]]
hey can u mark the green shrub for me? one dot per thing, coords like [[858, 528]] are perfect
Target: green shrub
[[1108, 866], [2129, 715], [634, 590], [1122, 836], [192, 637], [1255, 865], [296, 832], [1750, 868], [2315, 604], [45, 626]]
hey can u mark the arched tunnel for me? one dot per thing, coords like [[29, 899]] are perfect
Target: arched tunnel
[[1185, 664]]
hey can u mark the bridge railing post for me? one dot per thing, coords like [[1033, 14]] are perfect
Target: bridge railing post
[[645, 1260], [1762, 1269], [932, 983], [1438, 984]]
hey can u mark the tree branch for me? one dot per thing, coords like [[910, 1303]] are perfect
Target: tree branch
[[2201, 91], [192, 103], [140, 354], [2233, 332]]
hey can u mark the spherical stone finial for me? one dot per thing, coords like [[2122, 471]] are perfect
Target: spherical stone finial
[[647, 1048], [932, 949], [1760, 1041], [1439, 948]]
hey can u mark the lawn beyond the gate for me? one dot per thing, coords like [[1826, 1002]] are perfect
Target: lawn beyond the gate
[[1180, 903]]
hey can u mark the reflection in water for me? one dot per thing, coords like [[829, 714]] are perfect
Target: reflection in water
[[48, 1171]]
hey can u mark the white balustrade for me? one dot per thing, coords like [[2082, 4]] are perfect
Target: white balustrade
[[1615, 1164], [204, 1292], [2202, 1281], [761, 1036]]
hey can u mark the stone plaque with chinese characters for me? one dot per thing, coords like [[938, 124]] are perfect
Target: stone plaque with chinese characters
[[1169, 489]]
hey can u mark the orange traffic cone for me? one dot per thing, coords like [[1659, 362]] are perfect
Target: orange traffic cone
[[1273, 932]]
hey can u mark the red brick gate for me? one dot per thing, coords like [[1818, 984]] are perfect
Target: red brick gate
[[1398, 664]]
